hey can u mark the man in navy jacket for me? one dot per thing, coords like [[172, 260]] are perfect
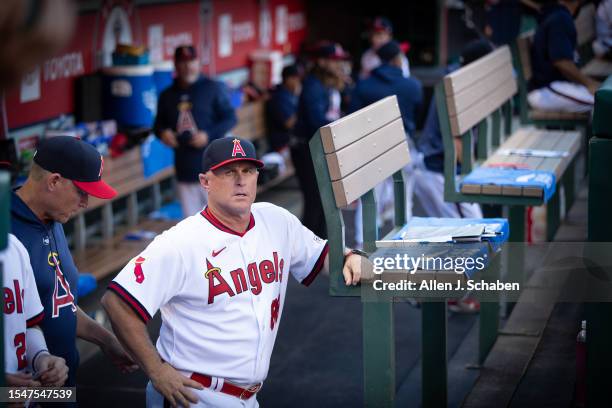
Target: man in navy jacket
[[319, 105], [281, 109], [191, 113], [386, 80], [64, 173]]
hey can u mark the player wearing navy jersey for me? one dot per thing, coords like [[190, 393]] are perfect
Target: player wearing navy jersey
[[64, 172]]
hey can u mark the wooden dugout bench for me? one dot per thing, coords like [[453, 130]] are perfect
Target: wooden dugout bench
[[351, 156], [476, 101]]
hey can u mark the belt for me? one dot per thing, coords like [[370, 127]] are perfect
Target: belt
[[228, 387]]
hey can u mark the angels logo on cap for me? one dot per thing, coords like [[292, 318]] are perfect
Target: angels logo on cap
[[237, 148]]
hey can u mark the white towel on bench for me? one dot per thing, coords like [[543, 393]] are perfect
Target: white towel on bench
[[562, 96]]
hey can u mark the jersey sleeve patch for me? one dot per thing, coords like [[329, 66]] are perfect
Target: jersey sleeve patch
[[35, 320], [131, 301], [317, 267]]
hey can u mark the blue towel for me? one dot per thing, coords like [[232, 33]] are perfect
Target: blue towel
[[513, 178]]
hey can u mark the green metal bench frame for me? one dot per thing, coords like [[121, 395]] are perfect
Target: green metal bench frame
[[491, 137], [378, 331]]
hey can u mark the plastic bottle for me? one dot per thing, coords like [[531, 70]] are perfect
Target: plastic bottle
[[580, 392]]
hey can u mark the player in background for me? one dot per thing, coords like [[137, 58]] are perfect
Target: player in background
[[380, 32], [27, 362], [191, 113]]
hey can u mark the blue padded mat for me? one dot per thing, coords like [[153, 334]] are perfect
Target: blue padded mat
[[513, 178]]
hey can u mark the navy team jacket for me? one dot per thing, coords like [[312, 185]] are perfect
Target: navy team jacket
[[57, 286]]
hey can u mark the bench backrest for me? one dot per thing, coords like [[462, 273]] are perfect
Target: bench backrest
[[524, 71], [251, 121], [478, 89], [363, 149], [351, 156], [585, 25], [465, 100], [523, 46]]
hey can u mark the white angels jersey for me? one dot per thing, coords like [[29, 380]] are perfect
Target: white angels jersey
[[221, 293], [22, 307]]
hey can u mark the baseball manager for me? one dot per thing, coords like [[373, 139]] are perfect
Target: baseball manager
[[219, 278]]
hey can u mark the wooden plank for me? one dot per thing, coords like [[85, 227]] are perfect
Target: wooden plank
[[127, 158], [585, 24], [471, 188], [104, 259], [471, 74], [491, 189], [350, 158], [523, 43], [470, 117], [536, 139], [565, 141], [597, 68], [460, 102], [124, 174], [533, 192], [364, 179], [558, 115], [353, 127], [512, 191], [512, 141], [132, 185]]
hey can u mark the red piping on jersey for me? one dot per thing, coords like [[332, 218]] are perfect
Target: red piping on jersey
[[130, 300], [33, 321], [317, 267], [219, 225]]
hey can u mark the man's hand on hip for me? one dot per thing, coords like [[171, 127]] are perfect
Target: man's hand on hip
[[174, 386]]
